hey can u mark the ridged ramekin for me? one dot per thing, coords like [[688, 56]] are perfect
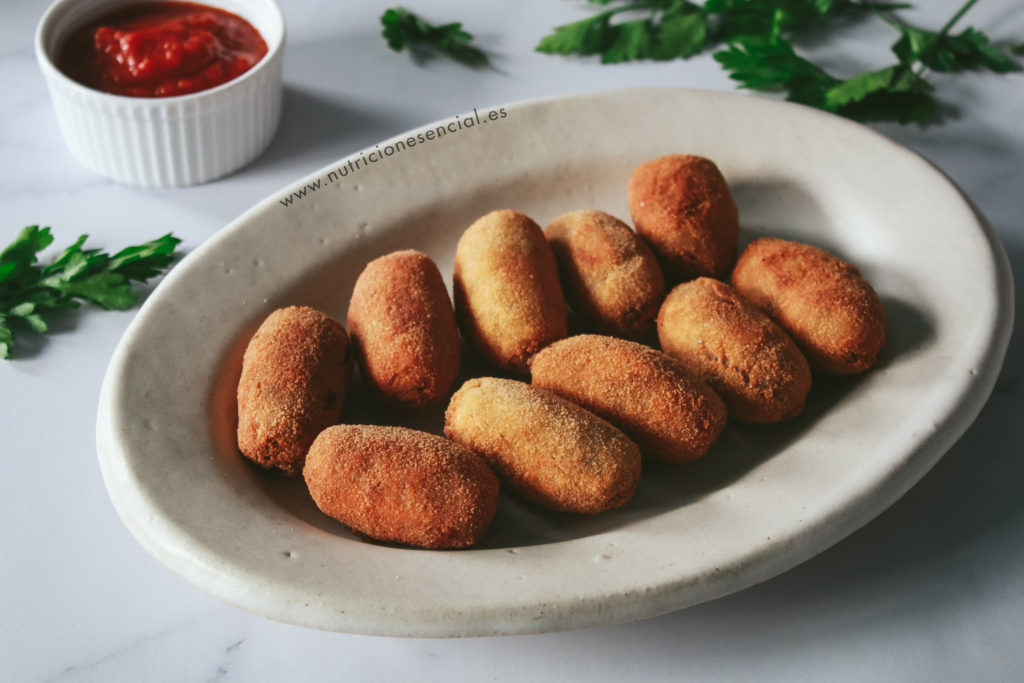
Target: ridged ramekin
[[166, 141]]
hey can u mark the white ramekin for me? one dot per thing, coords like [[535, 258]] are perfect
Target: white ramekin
[[166, 141]]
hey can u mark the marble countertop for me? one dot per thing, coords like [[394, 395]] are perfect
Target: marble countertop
[[931, 590]]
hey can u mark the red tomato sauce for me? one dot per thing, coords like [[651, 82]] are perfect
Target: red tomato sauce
[[161, 49]]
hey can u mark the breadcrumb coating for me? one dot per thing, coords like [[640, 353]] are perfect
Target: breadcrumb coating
[[403, 329], [823, 302], [508, 300], [745, 357], [400, 485], [672, 415], [295, 372], [543, 447], [681, 204], [610, 276]]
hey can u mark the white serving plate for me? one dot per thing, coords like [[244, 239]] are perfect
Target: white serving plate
[[763, 500]]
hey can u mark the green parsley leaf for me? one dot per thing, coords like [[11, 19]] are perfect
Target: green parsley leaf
[[969, 50], [404, 29], [26, 311], [774, 65], [753, 41], [856, 88], [761, 19], [913, 44], [586, 37], [29, 290], [895, 93], [632, 41], [103, 288], [682, 33], [71, 260], [20, 254], [671, 29], [892, 105], [146, 260]]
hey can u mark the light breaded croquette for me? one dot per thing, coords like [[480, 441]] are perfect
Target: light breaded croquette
[[822, 301], [543, 447], [508, 301], [746, 358], [610, 276], [672, 415], [403, 329], [681, 204], [399, 485], [294, 375]]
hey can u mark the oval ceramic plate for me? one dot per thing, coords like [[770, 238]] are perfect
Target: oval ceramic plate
[[764, 499]]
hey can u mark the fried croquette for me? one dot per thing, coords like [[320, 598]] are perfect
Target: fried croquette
[[610, 276], [403, 329], [746, 358], [672, 415], [508, 300], [294, 375], [822, 301], [682, 206], [543, 447], [399, 485]]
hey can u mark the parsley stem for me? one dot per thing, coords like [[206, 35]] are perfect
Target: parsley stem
[[877, 7], [964, 9]]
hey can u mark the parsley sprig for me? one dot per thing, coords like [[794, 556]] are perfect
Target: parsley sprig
[[28, 290], [753, 41], [404, 29]]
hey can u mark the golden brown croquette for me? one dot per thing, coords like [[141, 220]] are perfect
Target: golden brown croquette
[[610, 276], [746, 358], [682, 206], [672, 415], [822, 301], [295, 372], [400, 485], [508, 301], [543, 447], [403, 329]]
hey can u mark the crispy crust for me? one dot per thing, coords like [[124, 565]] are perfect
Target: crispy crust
[[543, 447], [746, 358], [672, 415], [403, 329], [508, 300], [822, 301], [294, 375], [681, 204], [611, 277], [401, 486]]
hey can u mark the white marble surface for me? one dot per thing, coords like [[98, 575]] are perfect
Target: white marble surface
[[932, 590]]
